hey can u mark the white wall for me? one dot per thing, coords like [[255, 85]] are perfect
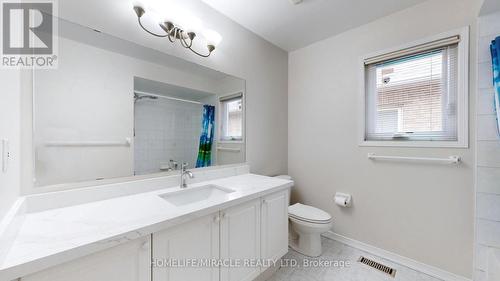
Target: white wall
[[241, 53], [423, 212], [10, 129], [488, 156]]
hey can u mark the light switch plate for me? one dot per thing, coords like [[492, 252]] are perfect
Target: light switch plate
[[5, 155]]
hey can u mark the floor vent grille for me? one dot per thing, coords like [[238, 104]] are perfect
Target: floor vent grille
[[378, 266]]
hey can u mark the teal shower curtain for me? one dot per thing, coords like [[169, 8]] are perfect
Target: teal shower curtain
[[206, 137], [495, 55]]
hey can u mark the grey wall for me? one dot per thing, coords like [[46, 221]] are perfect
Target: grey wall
[[420, 211]]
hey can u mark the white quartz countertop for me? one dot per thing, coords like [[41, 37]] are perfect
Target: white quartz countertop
[[52, 237]]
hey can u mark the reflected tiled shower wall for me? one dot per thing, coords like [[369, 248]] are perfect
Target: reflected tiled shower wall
[[165, 129], [487, 259]]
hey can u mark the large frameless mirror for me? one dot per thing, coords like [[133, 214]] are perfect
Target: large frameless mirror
[[115, 109]]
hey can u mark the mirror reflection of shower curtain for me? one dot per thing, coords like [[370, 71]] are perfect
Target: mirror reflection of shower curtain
[[206, 137], [495, 55]]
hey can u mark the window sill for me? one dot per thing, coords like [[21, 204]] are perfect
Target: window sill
[[422, 144]]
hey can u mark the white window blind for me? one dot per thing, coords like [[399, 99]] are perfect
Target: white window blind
[[413, 97]]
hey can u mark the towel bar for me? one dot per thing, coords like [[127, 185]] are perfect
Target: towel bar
[[126, 142], [450, 160], [228, 149]]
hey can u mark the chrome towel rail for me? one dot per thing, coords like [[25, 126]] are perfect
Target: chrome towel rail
[[228, 149], [126, 142], [454, 159]]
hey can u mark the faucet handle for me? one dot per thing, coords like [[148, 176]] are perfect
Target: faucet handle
[[173, 164], [184, 166]]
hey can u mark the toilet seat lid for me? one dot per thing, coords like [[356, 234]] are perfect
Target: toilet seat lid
[[308, 213], [284, 177]]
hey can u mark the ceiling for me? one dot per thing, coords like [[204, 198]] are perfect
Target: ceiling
[[292, 27], [169, 90], [118, 45], [490, 6]]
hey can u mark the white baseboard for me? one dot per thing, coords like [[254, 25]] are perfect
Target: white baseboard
[[413, 264]]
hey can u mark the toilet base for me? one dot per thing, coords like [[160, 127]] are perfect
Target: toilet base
[[307, 244]]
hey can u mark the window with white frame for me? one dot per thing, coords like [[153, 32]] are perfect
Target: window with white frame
[[231, 117], [418, 95]]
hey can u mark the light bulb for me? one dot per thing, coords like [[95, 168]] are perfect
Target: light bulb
[[213, 37], [166, 10], [168, 18], [139, 8], [190, 23], [138, 3]]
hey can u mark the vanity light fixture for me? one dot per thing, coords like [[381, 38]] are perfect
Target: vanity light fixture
[[184, 31]]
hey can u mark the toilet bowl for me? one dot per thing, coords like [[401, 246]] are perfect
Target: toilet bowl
[[307, 224]]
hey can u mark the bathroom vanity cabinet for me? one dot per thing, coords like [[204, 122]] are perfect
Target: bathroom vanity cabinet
[[274, 233], [127, 262], [244, 235], [240, 240], [231, 235], [197, 240]]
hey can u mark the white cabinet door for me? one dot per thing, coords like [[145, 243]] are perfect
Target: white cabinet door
[[274, 237], [240, 241], [194, 241], [127, 262]]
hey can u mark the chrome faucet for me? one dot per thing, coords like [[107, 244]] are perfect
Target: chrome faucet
[[185, 173]]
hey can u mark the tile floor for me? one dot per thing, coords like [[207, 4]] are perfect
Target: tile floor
[[336, 251]]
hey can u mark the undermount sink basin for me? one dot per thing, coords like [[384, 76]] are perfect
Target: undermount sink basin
[[199, 194]]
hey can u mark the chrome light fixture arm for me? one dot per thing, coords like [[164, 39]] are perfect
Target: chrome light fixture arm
[[189, 46], [150, 32], [173, 32], [184, 42]]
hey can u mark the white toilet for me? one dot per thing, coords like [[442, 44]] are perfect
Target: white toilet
[[307, 224]]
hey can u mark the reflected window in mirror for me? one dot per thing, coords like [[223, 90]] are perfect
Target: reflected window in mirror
[[231, 117]]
